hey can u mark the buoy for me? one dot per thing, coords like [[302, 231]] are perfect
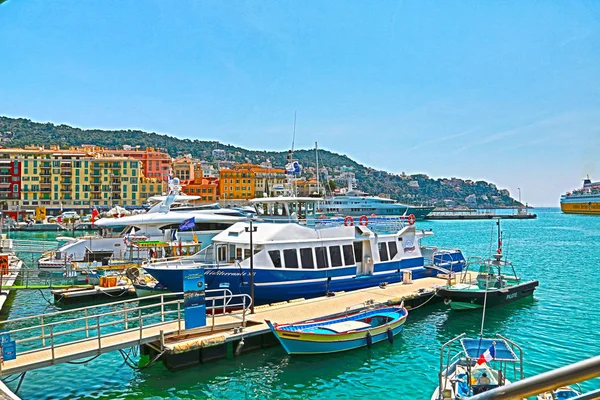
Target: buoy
[[364, 221], [369, 340], [411, 219], [348, 221], [238, 349], [390, 334]]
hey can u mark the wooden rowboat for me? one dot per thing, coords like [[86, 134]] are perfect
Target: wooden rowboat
[[349, 332]]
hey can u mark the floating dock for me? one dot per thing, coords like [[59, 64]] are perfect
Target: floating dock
[[90, 293], [159, 328]]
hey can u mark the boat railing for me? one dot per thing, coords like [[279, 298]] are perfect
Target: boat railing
[[446, 347]]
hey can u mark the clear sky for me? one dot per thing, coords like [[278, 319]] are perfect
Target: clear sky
[[505, 91]]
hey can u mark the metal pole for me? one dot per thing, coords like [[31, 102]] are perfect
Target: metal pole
[[52, 342], [578, 372], [251, 230], [98, 331]]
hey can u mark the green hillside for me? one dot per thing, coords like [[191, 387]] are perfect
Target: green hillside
[[19, 132]]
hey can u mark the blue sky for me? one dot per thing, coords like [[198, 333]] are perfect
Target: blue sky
[[507, 92]]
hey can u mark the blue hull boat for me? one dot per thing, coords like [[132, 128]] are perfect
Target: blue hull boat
[[342, 333]]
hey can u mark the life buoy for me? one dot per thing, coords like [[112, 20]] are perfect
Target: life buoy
[[348, 221], [364, 221], [411, 219]]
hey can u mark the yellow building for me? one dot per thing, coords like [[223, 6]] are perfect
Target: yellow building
[[183, 168], [75, 179], [237, 183], [268, 181], [151, 187]]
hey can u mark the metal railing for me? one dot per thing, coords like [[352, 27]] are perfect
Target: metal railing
[[59, 329], [33, 246], [548, 381]]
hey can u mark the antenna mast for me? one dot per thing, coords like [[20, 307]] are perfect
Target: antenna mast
[[317, 159]]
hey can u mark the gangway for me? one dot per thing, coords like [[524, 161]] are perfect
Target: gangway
[[64, 336]]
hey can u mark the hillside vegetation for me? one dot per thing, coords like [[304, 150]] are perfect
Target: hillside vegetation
[[19, 132]]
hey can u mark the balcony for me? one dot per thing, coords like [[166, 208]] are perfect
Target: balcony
[[66, 173], [65, 189]]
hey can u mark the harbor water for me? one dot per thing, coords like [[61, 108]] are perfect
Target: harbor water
[[559, 325]]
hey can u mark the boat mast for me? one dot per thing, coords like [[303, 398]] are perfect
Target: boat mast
[[317, 160]]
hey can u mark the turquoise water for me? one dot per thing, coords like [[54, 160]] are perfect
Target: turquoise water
[[558, 326]]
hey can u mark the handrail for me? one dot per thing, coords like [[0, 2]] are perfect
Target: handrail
[[90, 322], [441, 387], [547, 381]]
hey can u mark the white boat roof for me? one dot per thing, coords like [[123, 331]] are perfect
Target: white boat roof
[[285, 199], [273, 232], [171, 217]]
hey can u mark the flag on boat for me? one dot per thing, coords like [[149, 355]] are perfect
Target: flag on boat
[[187, 224], [95, 213], [487, 356]]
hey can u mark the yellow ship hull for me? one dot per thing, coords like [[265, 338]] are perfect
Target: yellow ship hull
[[592, 208]]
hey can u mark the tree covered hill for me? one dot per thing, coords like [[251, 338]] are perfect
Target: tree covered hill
[[415, 189]]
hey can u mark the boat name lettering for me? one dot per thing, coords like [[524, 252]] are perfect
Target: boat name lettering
[[223, 273], [512, 296]]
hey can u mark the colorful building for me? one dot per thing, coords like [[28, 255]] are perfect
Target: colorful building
[[10, 185], [183, 168], [154, 163], [268, 181], [73, 179], [151, 187], [205, 187], [237, 183]]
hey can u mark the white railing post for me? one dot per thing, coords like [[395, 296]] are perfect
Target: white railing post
[[162, 307], [98, 331], [87, 324], [52, 342], [126, 319], [43, 331], [140, 323]]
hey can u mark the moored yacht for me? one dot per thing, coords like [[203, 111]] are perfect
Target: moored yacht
[[294, 261]]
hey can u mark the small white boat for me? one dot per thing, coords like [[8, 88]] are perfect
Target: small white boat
[[564, 392]]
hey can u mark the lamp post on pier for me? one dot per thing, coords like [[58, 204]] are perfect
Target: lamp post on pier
[[251, 229]]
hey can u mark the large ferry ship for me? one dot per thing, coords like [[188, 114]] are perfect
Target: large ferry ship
[[582, 201]]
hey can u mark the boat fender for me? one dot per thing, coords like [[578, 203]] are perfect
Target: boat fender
[[238, 349], [364, 220], [411, 219], [348, 221], [447, 301], [369, 340], [390, 335]]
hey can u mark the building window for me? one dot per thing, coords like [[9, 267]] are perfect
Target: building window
[[15, 188]]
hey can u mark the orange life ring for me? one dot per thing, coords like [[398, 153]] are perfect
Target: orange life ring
[[364, 221], [411, 219], [348, 221], [322, 216]]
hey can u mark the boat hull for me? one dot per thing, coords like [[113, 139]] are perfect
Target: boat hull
[[589, 208], [275, 285], [295, 341], [464, 300]]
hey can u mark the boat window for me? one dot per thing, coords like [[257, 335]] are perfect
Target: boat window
[[393, 249], [383, 253], [238, 253], [290, 257], [336, 256], [246, 253], [358, 252], [348, 254], [275, 258], [321, 255], [306, 254]]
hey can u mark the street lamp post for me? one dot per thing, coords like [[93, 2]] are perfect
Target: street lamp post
[[251, 229]]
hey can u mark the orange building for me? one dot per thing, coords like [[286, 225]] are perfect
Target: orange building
[[237, 183], [207, 188]]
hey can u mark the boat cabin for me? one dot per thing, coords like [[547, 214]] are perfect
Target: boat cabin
[[286, 209]]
